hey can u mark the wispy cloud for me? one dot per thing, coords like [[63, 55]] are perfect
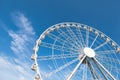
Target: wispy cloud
[[24, 37], [18, 68], [23, 23], [9, 70]]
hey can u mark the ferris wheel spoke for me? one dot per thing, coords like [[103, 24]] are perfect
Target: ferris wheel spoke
[[57, 47], [51, 57], [61, 41], [83, 72], [104, 61], [94, 68], [86, 62], [114, 68], [94, 40], [104, 69], [93, 72], [75, 69], [110, 59], [64, 46], [65, 35], [81, 37], [102, 72], [61, 67], [87, 37], [54, 37], [101, 45], [73, 36], [106, 52]]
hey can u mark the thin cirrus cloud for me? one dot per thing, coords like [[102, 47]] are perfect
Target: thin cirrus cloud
[[9, 70], [18, 67], [24, 37]]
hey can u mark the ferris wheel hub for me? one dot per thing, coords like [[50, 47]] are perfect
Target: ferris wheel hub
[[89, 52]]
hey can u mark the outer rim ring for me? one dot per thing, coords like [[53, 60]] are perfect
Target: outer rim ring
[[53, 27]]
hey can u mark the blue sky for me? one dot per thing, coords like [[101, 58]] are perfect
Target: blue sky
[[21, 23]]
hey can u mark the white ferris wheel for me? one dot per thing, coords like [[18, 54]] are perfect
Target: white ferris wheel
[[74, 51]]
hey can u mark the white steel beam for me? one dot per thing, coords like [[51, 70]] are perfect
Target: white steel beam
[[75, 69], [105, 69]]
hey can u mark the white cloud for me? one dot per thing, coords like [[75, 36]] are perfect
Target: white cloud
[[23, 38], [18, 68], [22, 22], [9, 70]]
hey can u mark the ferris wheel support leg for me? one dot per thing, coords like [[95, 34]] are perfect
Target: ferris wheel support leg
[[75, 69], [93, 72], [100, 70], [94, 77], [105, 69]]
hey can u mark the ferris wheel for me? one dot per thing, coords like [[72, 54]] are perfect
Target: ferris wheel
[[74, 51]]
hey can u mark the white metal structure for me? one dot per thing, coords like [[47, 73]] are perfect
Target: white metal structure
[[74, 51]]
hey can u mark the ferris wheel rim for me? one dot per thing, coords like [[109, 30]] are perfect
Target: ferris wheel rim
[[53, 27]]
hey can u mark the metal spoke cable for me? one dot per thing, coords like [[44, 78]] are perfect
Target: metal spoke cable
[[75, 69], [73, 36], [87, 37], [109, 65], [86, 62], [101, 45], [110, 59], [57, 56], [73, 51], [116, 70], [106, 52], [102, 72], [65, 35], [61, 67], [81, 36], [105, 69], [93, 71], [94, 41], [54, 37], [57, 47], [83, 70]]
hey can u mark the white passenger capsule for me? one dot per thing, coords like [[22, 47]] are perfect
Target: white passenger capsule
[[35, 48], [113, 44], [33, 57], [90, 29], [96, 32], [102, 35], [73, 25], [37, 77], [85, 27], [42, 37], [107, 39], [47, 32], [67, 25], [62, 25], [38, 41], [34, 67], [51, 29], [118, 49], [78, 26], [57, 27]]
